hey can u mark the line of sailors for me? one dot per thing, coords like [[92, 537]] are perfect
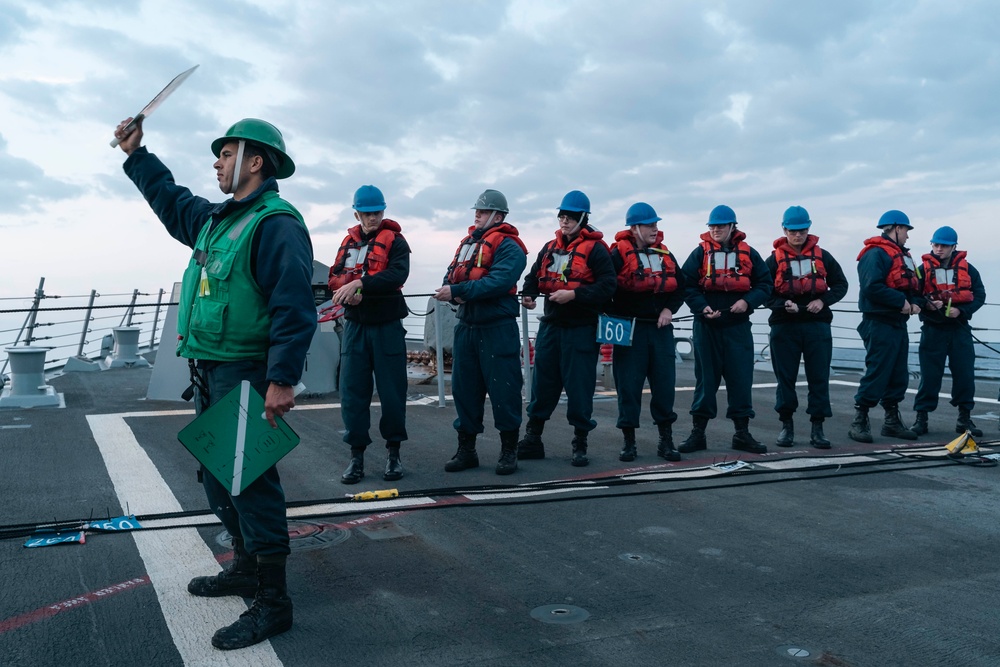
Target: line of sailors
[[580, 276]]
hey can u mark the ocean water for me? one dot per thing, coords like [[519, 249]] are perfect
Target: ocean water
[[62, 330]]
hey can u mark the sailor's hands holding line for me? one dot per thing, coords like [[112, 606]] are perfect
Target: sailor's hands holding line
[[349, 294], [443, 293], [562, 296], [710, 314]]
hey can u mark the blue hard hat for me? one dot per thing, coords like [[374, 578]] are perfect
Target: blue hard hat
[[368, 198], [890, 218], [575, 201], [722, 215], [945, 236], [795, 218], [641, 213]]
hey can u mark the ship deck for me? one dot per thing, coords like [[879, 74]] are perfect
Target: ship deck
[[878, 554]]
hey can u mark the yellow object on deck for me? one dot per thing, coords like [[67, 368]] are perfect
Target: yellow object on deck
[[376, 495]]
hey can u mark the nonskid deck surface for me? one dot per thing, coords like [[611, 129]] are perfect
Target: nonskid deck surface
[[856, 556]]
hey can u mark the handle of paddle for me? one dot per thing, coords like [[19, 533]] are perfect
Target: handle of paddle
[[129, 129]]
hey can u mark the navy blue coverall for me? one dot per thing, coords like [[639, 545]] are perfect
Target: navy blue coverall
[[566, 347], [282, 267], [804, 336], [374, 342], [723, 347], [487, 344], [883, 331], [949, 338], [650, 356]]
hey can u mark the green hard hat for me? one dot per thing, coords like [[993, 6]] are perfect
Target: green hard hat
[[263, 134], [491, 200]]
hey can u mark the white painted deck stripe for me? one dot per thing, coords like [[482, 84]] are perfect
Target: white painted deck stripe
[[796, 463], [432, 401], [525, 494], [329, 509], [173, 557]]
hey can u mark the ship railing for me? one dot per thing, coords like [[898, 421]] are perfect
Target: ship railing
[[78, 325], [81, 326]]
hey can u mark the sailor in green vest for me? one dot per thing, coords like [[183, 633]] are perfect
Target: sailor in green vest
[[246, 313]]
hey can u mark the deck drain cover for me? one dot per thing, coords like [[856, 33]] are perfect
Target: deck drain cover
[[560, 614], [795, 652], [633, 558], [302, 536]]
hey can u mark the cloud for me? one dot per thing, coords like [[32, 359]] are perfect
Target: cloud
[[24, 185], [847, 108]]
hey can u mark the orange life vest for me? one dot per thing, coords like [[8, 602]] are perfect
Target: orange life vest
[[357, 257], [721, 272], [564, 265], [953, 284], [903, 275], [652, 269], [799, 273], [474, 258]]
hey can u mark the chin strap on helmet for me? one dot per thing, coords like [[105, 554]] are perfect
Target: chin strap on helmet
[[237, 167], [489, 220]]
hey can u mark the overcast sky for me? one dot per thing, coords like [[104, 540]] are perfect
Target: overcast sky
[[848, 108]]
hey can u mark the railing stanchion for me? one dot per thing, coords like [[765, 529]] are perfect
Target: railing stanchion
[[33, 315], [156, 319], [86, 323], [526, 354], [127, 319], [439, 349]]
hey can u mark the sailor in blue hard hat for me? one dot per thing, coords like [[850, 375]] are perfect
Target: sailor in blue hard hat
[[889, 293], [725, 280], [575, 274], [650, 290], [807, 281], [954, 291], [367, 277]]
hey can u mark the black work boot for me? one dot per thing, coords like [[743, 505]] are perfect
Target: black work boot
[[920, 426], [355, 469], [628, 449], [665, 447], [742, 439], [270, 614], [816, 437], [861, 429], [393, 466], [466, 456], [893, 427], [697, 439], [965, 423], [530, 446], [239, 577], [787, 436], [580, 448], [508, 453]]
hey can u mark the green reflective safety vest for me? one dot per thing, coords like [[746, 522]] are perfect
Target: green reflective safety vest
[[223, 314]]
